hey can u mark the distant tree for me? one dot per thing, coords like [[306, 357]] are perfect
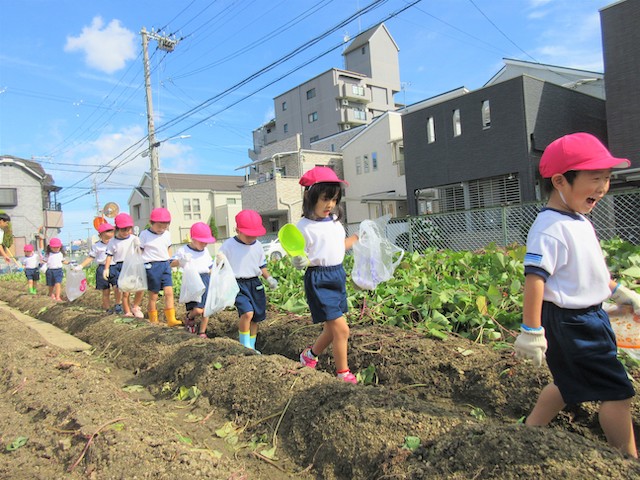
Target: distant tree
[[213, 227]]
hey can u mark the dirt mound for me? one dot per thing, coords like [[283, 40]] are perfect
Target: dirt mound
[[461, 400]]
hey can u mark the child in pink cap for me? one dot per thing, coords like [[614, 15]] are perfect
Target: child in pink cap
[[566, 281], [248, 262], [54, 258], [196, 255], [98, 253], [31, 263]]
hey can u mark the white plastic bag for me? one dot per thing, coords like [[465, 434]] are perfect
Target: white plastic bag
[[133, 275], [192, 286], [375, 258], [76, 284], [223, 288]]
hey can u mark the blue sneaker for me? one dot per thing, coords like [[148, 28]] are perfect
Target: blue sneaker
[[118, 310]]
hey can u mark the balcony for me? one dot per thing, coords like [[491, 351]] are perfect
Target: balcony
[[355, 93], [270, 193]]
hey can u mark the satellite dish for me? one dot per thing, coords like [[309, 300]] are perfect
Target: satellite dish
[[110, 210]]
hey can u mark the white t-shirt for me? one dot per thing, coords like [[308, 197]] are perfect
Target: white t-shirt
[[246, 261], [32, 261], [54, 260], [324, 241], [155, 248], [563, 249], [200, 259], [118, 248], [99, 252]]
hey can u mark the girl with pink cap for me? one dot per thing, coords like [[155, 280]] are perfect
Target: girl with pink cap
[[31, 263], [98, 253], [195, 254], [54, 258]]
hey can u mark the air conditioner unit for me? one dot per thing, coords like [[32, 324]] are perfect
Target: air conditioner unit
[[345, 102], [347, 126]]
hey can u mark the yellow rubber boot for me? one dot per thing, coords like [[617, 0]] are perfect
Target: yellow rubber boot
[[170, 314], [153, 316]]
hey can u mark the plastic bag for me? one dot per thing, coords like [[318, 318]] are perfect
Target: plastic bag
[[133, 274], [192, 286], [223, 288], [375, 258], [76, 284]]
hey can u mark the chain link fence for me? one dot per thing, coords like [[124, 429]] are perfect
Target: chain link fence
[[617, 215]]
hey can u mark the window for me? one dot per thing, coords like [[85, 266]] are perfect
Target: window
[[374, 161], [195, 206], [486, 115], [186, 208], [358, 166], [136, 211], [231, 201], [400, 160], [313, 117], [363, 50], [284, 106], [431, 130], [311, 93], [359, 114], [315, 138], [357, 90], [191, 208], [8, 197], [286, 128], [333, 147], [457, 124], [365, 163]]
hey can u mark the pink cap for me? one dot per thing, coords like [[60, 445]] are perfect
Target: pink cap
[[161, 215], [123, 220], [201, 232], [105, 227], [28, 247], [320, 175], [249, 222], [577, 151], [55, 242]]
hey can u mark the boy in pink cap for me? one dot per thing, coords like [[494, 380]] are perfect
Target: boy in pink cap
[[566, 281], [54, 258], [248, 262], [98, 253], [31, 263], [196, 255]]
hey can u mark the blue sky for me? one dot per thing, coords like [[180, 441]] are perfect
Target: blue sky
[[72, 88]]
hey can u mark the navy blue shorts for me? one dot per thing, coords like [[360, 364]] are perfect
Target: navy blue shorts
[[326, 292], [252, 298], [582, 355], [32, 274], [114, 273], [191, 305], [53, 276], [158, 275], [101, 283]]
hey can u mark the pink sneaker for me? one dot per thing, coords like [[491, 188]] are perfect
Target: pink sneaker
[[137, 312], [347, 377], [307, 359], [128, 315]]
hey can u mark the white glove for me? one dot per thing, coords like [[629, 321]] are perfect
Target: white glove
[[185, 259], [220, 258], [625, 296], [300, 262], [77, 268], [272, 282], [531, 344], [105, 274]]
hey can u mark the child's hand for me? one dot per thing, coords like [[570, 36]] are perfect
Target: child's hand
[[77, 268], [625, 296], [272, 282], [532, 344], [300, 262], [105, 274], [184, 260]]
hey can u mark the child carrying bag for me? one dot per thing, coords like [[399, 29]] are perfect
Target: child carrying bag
[[192, 286], [223, 288], [76, 284], [133, 275], [375, 258]]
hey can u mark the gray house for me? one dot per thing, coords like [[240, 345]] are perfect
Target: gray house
[[482, 148]]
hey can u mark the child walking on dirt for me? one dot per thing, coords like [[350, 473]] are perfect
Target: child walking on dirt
[[196, 255], [54, 258], [117, 249], [566, 281], [31, 263], [4, 221], [325, 278], [98, 253], [155, 243], [248, 262]]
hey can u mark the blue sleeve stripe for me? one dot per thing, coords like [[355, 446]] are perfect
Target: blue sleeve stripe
[[528, 269]]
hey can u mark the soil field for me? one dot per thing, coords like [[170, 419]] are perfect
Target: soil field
[[432, 410]]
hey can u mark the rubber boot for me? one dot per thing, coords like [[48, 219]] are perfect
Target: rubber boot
[[170, 315], [153, 316], [252, 341], [245, 338]]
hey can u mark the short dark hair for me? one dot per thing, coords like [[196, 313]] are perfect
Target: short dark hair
[[5, 217], [547, 185], [313, 193]]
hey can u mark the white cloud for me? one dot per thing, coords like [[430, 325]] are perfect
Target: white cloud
[[106, 48]]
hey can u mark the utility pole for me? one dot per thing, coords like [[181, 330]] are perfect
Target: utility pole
[[168, 45]]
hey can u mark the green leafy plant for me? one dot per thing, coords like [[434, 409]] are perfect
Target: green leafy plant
[[187, 393], [17, 443], [411, 443]]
